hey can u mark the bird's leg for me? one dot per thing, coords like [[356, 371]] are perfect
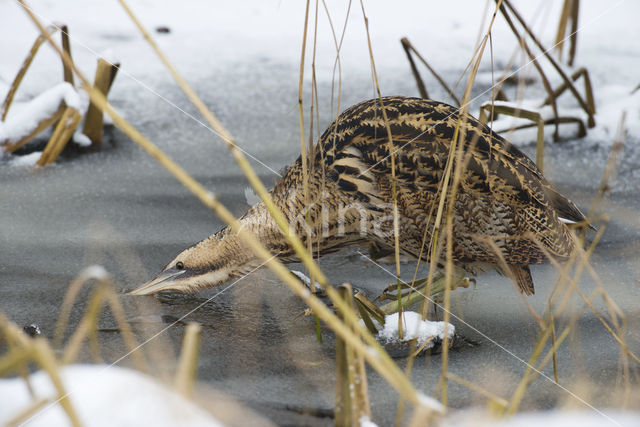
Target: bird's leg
[[418, 292]]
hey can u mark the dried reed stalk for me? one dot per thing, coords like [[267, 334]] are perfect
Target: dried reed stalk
[[6, 104], [352, 396], [534, 116], [61, 134], [93, 122], [67, 72], [188, 363], [408, 48]]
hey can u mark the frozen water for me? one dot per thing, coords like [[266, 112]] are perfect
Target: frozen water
[[121, 210]]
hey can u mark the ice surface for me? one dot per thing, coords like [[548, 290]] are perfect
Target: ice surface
[[102, 396]]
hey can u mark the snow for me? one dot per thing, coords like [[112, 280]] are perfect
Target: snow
[[414, 327], [366, 422], [97, 272], [28, 160], [24, 118], [102, 396], [81, 139], [431, 403], [110, 56], [556, 418], [303, 277]]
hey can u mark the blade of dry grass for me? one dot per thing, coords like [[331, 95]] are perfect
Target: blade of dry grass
[[61, 134], [15, 84], [188, 363]]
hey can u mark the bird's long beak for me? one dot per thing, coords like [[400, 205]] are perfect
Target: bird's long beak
[[163, 281]]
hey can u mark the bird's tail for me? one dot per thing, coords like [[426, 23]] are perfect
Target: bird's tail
[[522, 276]]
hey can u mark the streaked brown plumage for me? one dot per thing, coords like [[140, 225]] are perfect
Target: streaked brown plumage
[[505, 212]]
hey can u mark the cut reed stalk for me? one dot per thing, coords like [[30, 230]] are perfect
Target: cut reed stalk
[[67, 72], [93, 122], [352, 396], [61, 135]]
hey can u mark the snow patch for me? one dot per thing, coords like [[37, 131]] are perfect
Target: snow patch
[[97, 272], [102, 396], [81, 139], [28, 160], [555, 418], [110, 56], [431, 403], [414, 327], [303, 277], [24, 118], [366, 422]]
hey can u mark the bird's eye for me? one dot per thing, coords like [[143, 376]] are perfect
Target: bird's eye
[[180, 265]]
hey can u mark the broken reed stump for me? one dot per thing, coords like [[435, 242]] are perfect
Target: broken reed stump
[[61, 135], [352, 395], [93, 123]]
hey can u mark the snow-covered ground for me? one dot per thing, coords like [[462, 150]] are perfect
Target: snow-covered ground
[[100, 396]]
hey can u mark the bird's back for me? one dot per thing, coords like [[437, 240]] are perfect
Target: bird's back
[[505, 211]]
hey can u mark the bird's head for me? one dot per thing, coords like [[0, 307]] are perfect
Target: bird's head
[[205, 265]]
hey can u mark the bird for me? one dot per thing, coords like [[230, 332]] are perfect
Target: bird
[[505, 215]]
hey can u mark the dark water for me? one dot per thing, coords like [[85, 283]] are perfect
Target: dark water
[[119, 209]]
